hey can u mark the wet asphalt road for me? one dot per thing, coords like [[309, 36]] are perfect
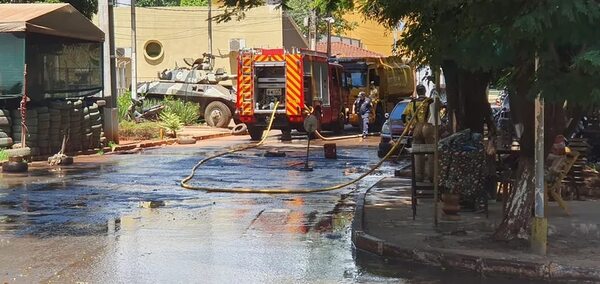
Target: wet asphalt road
[[86, 224]]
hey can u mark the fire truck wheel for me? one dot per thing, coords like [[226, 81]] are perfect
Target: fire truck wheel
[[217, 114], [255, 133], [240, 129]]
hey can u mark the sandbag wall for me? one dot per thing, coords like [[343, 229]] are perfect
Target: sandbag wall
[[47, 126]]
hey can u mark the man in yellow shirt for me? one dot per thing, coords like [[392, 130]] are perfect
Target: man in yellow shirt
[[423, 132]]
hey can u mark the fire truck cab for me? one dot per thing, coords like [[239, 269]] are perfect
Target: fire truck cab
[[301, 81]]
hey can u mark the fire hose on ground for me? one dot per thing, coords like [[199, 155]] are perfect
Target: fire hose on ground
[[186, 185]]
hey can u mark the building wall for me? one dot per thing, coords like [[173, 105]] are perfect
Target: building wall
[[183, 33], [373, 35]]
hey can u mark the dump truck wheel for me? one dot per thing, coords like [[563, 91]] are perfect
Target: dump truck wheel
[[217, 114]]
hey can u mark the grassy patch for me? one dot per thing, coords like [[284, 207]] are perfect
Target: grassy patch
[[188, 112], [139, 131], [123, 103]]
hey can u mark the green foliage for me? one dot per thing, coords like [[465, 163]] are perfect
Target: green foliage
[[3, 155], [130, 130], [194, 3], [188, 112], [87, 7], [112, 145], [297, 10], [156, 3], [170, 121], [502, 36], [123, 104]]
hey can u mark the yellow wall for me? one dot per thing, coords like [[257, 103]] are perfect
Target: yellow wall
[[374, 36], [183, 33]]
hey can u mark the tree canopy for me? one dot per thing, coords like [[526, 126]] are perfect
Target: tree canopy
[[495, 35], [298, 10]]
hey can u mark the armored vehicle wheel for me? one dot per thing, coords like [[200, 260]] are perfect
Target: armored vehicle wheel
[[217, 114], [255, 133]]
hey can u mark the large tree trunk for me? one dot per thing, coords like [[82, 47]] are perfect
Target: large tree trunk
[[466, 94], [472, 91], [451, 78], [517, 212]]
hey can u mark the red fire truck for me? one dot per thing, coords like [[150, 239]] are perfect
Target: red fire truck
[[297, 80]]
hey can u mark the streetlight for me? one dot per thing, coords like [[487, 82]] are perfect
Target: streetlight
[[330, 20]]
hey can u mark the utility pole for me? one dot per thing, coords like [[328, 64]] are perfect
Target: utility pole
[[312, 30], [539, 234], [133, 53], [330, 21], [210, 47], [106, 23]]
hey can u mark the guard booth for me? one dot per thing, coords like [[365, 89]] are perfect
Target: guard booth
[[61, 47], [62, 52]]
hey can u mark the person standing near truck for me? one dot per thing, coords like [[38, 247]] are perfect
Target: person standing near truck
[[362, 107], [423, 132]]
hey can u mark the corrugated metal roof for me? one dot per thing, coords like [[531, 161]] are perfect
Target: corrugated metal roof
[[51, 19], [343, 50], [26, 12]]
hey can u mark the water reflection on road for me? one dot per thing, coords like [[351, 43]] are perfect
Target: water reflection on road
[[85, 223]]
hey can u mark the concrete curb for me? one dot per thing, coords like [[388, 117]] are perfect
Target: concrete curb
[[447, 258], [129, 147]]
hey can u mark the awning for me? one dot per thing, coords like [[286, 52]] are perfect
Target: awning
[[51, 19]]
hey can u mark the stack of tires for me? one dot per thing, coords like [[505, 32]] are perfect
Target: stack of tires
[[76, 131], [95, 131], [43, 130], [54, 138], [47, 126], [60, 123], [31, 122], [6, 140]]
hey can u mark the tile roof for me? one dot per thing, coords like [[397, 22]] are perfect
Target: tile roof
[[343, 50]]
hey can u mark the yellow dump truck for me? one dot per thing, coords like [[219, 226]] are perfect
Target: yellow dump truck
[[385, 80]]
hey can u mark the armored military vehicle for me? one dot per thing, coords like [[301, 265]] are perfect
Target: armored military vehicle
[[197, 83]]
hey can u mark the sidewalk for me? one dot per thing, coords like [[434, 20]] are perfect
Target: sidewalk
[[198, 132], [383, 225]]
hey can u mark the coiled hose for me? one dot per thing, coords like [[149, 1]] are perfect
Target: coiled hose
[[184, 182]]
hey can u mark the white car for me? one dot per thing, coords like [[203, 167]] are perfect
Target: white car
[[392, 129]]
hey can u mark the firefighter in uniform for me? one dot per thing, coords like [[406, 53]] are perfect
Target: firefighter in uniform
[[423, 132]]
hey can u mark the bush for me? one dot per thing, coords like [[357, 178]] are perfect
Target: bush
[[170, 121], [3, 155], [130, 130], [188, 112], [123, 103]]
